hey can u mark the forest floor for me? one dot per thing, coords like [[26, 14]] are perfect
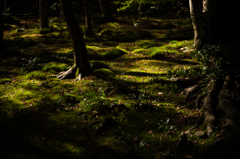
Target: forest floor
[[131, 108]]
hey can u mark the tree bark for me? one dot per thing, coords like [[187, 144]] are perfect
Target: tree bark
[[81, 64], [106, 14], [1, 31], [198, 23], [87, 18], [43, 14]]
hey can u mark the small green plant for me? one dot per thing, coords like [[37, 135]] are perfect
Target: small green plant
[[29, 64], [166, 127], [95, 101], [20, 30], [131, 149]]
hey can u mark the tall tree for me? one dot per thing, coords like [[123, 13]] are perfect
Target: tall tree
[[106, 10], [1, 31], [199, 13], [87, 18], [43, 14], [221, 34], [81, 65]]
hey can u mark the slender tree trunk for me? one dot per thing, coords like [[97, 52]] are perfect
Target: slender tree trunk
[[81, 64], [43, 14], [195, 14], [5, 5], [87, 18], [1, 31], [37, 7], [106, 10]]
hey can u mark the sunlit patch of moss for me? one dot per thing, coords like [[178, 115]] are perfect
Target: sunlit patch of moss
[[103, 73], [37, 75], [5, 80], [53, 67], [113, 54]]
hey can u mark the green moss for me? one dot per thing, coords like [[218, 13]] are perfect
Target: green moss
[[44, 31], [54, 67], [118, 35], [148, 44], [98, 64], [113, 54], [5, 80], [103, 73], [39, 75]]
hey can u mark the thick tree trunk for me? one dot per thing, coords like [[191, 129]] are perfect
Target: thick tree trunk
[[87, 18], [43, 14], [223, 26], [81, 64]]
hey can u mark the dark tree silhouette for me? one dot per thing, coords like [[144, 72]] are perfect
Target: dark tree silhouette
[[43, 14], [81, 65]]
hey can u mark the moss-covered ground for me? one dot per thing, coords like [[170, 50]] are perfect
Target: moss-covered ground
[[127, 101]]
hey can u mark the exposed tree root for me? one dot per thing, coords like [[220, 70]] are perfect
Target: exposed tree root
[[70, 74], [219, 100]]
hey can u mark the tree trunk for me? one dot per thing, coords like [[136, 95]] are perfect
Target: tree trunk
[[1, 31], [43, 14], [37, 7], [106, 13], [81, 65], [222, 90], [87, 18], [198, 22]]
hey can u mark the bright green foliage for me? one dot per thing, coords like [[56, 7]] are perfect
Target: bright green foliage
[[54, 67], [112, 54], [5, 80], [39, 75]]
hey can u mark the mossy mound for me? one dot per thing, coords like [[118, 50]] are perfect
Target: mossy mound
[[98, 65], [104, 73], [53, 67], [118, 35], [112, 54], [148, 44], [141, 34], [70, 98]]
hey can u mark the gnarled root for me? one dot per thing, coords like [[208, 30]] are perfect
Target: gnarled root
[[70, 74]]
